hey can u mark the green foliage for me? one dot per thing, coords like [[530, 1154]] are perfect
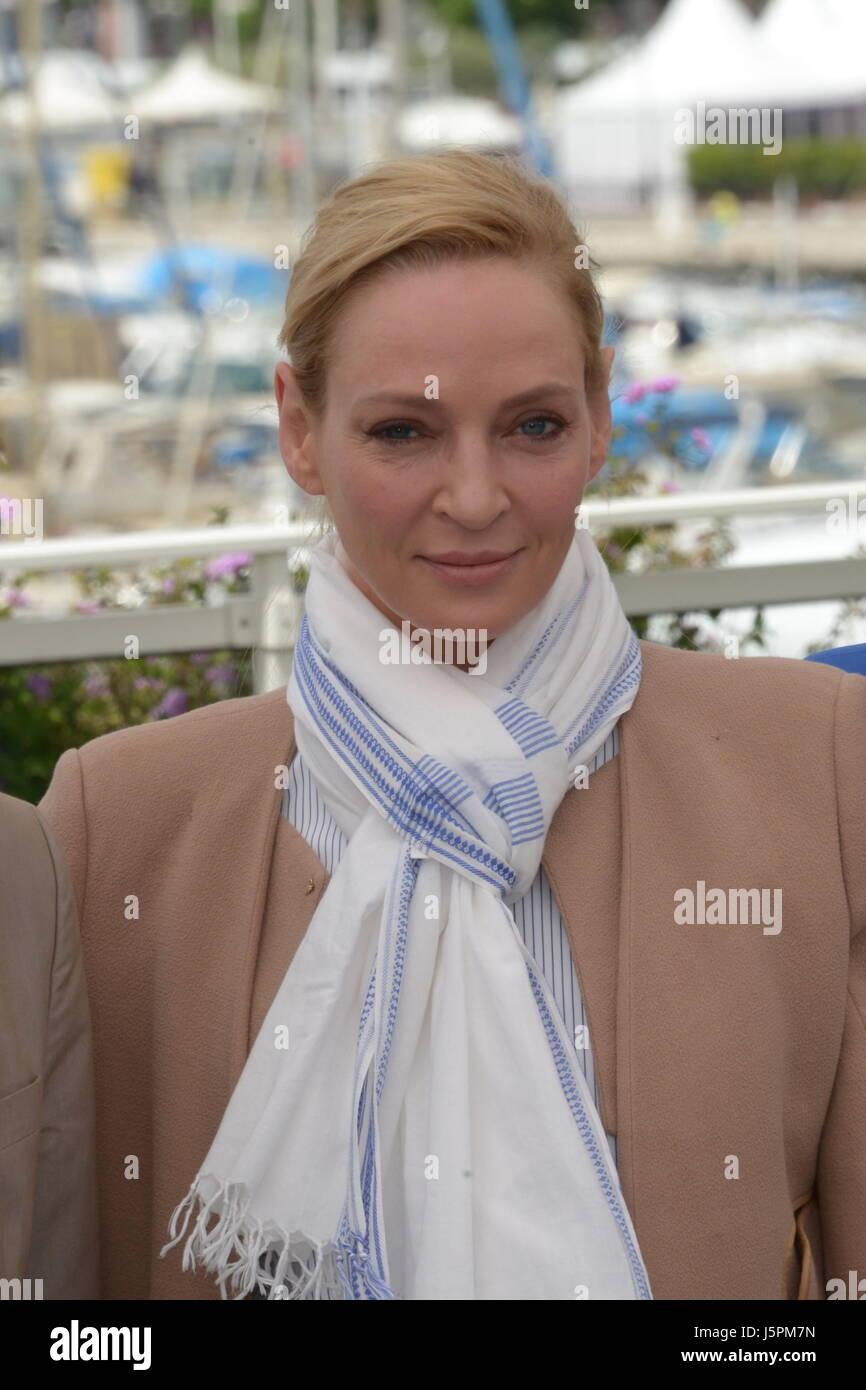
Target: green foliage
[[561, 15], [46, 709], [473, 68], [821, 168], [651, 548]]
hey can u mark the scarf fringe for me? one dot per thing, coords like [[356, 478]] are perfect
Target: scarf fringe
[[233, 1250]]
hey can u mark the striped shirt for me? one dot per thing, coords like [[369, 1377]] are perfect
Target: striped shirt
[[536, 914]]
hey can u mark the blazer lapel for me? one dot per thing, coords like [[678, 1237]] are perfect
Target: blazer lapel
[[296, 883], [589, 859], [582, 862]]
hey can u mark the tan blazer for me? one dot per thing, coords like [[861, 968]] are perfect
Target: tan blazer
[[732, 1062], [48, 1217]]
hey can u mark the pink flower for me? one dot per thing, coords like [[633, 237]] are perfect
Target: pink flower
[[16, 598], [670, 486], [702, 440], [635, 392], [664, 383], [168, 586], [226, 564], [86, 605]]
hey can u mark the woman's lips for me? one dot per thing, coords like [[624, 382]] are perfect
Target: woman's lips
[[472, 574]]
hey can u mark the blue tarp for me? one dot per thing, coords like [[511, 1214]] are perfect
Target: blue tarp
[[199, 271]]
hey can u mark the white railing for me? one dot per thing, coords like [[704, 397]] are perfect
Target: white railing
[[266, 620]]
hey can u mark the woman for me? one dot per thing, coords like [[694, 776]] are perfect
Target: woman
[[580, 1012]]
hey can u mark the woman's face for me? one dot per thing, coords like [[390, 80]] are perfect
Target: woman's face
[[456, 424]]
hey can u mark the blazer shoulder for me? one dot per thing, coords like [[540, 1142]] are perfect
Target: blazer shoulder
[[168, 763], [227, 726], [769, 685]]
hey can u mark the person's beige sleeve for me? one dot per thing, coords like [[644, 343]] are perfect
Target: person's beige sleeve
[[841, 1179], [64, 1239]]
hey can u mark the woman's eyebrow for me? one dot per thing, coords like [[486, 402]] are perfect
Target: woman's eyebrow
[[547, 388]]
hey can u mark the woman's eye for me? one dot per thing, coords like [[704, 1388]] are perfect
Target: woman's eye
[[536, 420], [381, 433], [401, 433]]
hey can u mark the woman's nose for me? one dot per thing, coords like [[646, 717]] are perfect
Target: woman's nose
[[470, 485]]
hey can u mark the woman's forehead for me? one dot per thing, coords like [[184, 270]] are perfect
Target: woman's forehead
[[460, 332]]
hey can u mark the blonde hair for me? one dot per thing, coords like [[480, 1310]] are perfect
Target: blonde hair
[[419, 212]]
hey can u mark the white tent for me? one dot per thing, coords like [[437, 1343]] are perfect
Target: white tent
[[827, 35], [468, 122], [72, 91], [851, 15], [695, 49], [615, 138], [192, 90]]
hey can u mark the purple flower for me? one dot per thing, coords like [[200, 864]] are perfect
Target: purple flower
[[96, 687], [16, 598], [664, 383], [226, 564], [173, 702], [146, 683], [635, 392], [670, 486], [40, 686], [199, 658], [86, 605], [168, 586], [220, 675], [702, 440]]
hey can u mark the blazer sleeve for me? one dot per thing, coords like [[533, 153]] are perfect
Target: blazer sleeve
[[841, 1178], [64, 1240]]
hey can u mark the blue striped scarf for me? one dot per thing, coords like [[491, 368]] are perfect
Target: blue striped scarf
[[427, 1132]]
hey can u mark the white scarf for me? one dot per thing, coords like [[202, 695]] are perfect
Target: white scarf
[[412, 1121]]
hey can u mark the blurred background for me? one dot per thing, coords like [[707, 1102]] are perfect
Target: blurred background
[[160, 161]]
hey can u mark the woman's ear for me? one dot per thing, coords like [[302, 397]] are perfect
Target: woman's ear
[[297, 442], [599, 409]]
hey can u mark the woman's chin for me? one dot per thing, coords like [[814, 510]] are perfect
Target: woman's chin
[[489, 618]]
